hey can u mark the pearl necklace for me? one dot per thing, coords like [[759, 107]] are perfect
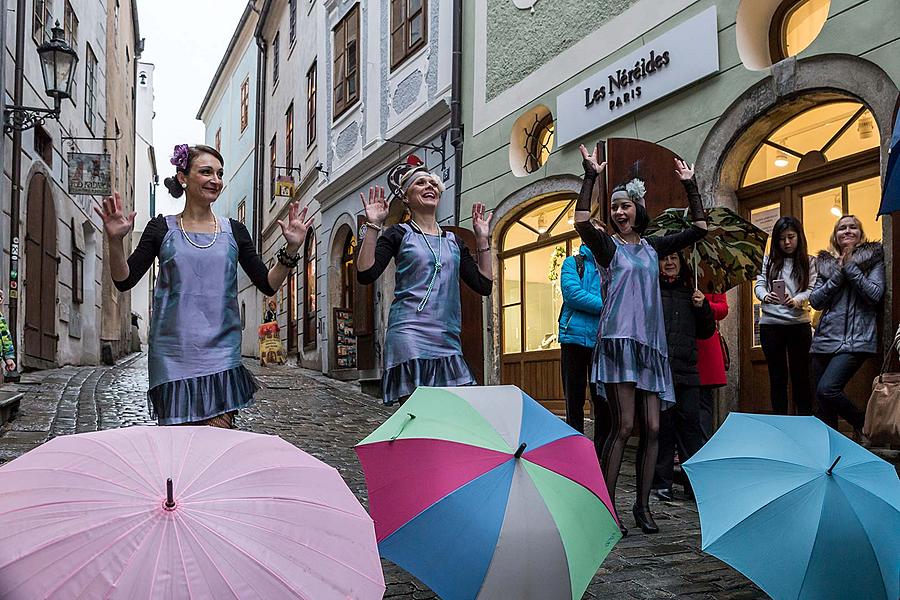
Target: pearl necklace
[[437, 262], [192, 242]]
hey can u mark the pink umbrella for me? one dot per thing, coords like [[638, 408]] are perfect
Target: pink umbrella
[[247, 516]]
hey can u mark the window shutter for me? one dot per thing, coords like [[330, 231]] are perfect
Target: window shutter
[[338, 73]]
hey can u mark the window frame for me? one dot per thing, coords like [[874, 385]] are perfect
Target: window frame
[[569, 240], [276, 58], [245, 104], [400, 26], [777, 29], [273, 163], [90, 86], [218, 140], [311, 100], [292, 21], [289, 136], [241, 211], [310, 291], [40, 20], [70, 25], [342, 76]]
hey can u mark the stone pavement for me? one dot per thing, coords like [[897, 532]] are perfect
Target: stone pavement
[[326, 418]]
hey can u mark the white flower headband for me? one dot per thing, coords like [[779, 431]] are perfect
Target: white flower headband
[[634, 191]]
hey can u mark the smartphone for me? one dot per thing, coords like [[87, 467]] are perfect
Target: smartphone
[[779, 290]]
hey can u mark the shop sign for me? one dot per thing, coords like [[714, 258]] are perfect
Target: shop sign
[[679, 57], [89, 174], [284, 186]]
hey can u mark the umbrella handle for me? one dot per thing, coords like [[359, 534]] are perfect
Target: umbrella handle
[[831, 468], [696, 273], [405, 423], [170, 499], [520, 450]]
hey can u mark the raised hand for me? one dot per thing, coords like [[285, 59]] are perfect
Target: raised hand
[[697, 298], [591, 162], [295, 227], [116, 223], [376, 206], [481, 223], [683, 170]]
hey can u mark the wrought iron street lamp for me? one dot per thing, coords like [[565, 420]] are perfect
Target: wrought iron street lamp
[[58, 61]]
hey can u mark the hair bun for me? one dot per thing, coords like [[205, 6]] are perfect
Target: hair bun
[[175, 189]]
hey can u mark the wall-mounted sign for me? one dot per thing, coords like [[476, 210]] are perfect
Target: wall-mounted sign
[[89, 174], [284, 186], [675, 59]]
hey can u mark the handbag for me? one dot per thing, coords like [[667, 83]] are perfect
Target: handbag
[[882, 424], [726, 353]]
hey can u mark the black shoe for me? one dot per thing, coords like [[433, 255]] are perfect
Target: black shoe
[[644, 520], [664, 494], [623, 529]]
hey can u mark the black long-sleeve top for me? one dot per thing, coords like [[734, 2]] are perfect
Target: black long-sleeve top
[[685, 324], [151, 240], [604, 247], [388, 246]]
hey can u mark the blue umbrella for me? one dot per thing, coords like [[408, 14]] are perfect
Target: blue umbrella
[[890, 197], [799, 509]]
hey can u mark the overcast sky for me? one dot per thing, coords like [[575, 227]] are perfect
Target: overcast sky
[[185, 40]]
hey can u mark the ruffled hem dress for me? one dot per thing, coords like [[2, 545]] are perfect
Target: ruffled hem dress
[[631, 347], [194, 352], [422, 344]]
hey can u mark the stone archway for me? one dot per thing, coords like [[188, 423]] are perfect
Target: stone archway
[[794, 86]]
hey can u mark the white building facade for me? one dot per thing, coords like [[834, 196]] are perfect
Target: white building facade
[[146, 178], [229, 115]]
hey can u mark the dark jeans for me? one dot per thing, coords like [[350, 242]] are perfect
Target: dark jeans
[[679, 426], [783, 344], [576, 366], [831, 373], [707, 408]]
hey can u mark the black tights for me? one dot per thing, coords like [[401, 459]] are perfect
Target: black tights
[[623, 404]]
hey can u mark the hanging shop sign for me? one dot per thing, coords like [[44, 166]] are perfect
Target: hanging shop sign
[[679, 57], [284, 186], [89, 174]]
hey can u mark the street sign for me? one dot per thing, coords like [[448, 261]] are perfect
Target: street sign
[[89, 174], [284, 186]]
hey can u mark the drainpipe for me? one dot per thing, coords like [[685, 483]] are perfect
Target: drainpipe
[[456, 125], [16, 167], [259, 154]]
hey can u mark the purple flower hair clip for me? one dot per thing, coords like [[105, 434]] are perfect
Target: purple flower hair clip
[[180, 157]]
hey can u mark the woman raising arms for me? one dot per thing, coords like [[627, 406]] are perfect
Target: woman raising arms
[[631, 363], [196, 375], [422, 344]]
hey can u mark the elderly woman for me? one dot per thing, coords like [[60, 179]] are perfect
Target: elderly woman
[[422, 344], [196, 374]]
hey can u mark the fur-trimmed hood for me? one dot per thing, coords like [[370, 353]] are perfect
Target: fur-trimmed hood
[[865, 256]]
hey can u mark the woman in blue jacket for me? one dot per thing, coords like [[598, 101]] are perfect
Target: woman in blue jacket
[[579, 320]]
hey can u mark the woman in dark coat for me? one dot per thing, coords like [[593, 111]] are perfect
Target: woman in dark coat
[[688, 318], [848, 291]]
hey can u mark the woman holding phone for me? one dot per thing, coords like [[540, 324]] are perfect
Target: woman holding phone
[[785, 333]]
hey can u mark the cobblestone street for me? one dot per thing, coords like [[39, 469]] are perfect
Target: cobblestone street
[[326, 418]]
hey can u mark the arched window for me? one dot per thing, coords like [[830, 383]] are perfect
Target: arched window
[[812, 138], [531, 141], [309, 292], [795, 25], [532, 250]]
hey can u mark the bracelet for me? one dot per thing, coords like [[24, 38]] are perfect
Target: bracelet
[[480, 250], [372, 225], [288, 260]]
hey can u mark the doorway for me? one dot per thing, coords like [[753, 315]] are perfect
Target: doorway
[[820, 164], [40, 275]]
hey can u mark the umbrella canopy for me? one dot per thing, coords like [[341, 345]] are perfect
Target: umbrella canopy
[[480, 492], [799, 509], [251, 516], [730, 254], [890, 196]]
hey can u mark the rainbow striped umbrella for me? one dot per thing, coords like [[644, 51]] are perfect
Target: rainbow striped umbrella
[[480, 492]]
